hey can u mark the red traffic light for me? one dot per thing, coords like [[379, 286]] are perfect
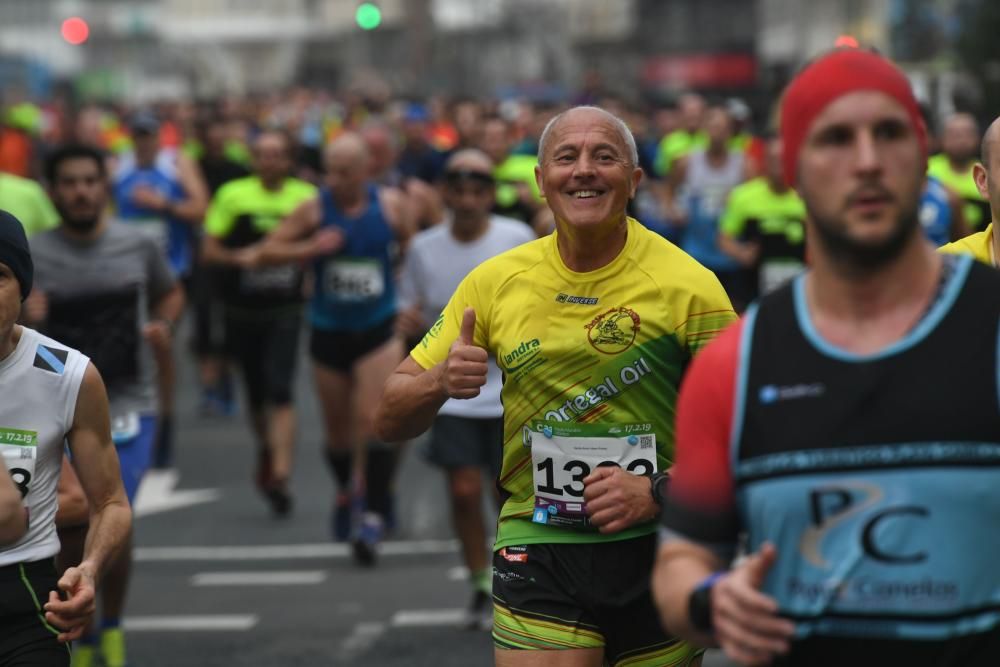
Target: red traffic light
[[75, 30]]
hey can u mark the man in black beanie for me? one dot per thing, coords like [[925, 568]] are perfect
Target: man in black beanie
[[51, 395], [14, 251]]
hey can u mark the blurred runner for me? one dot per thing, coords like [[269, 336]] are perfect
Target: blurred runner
[[52, 398], [763, 225], [162, 193], [953, 167], [351, 232], [702, 181], [984, 245], [216, 383], [105, 288], [263, 306]]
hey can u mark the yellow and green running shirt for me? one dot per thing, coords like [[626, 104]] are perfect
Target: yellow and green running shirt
[[975, 208], [979, 245], [603, 347]]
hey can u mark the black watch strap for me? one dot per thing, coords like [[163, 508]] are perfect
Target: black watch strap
[[700, 604], [658, 487]]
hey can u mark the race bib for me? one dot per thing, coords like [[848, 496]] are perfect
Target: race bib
[[125, 427], [354, 279], [20, 451], [268, 279], [775, 274], [563, 454]]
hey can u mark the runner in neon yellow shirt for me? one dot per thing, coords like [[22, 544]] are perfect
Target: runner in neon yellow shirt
[[984, 245], [954, 165]]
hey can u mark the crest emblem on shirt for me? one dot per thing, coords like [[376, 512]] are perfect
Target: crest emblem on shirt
[[613, 331]]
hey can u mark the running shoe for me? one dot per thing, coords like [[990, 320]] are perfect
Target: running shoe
[[367, 538]]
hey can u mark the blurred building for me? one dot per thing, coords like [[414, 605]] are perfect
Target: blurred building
[[637, 49]]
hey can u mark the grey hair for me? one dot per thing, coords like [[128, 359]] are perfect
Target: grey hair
[[619, 124]]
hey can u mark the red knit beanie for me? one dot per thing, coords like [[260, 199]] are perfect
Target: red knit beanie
[[838, 73]]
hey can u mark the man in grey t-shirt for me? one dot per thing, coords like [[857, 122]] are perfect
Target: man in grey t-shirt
[[467, 436], [106, 290]]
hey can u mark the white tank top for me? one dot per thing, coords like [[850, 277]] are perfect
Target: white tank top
[[39, 383]]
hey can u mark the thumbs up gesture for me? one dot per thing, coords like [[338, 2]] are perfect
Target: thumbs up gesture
[[746, 621], [466, 366]]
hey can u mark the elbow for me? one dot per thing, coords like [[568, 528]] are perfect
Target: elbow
[[383, 425]]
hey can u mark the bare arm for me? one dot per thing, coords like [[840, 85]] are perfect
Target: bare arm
[[96, 464], [73, 507], [13, 516], [745, 621], [400, 209], [295, 239], [164, 315], [745, 253], [213, 252], [410, 401], [412, 395], [680, 566], [192, 208]]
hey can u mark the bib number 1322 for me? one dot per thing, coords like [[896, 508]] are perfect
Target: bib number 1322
[[563, 455]]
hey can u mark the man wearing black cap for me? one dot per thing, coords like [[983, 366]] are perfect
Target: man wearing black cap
[[52, 395]]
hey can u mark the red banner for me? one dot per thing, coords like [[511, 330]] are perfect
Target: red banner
[[726, 70]]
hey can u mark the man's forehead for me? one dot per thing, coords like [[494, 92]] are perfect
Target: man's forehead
[[859, 108], [577, 127]]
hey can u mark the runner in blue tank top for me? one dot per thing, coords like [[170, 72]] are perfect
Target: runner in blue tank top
[[350, 233], [163, 192]]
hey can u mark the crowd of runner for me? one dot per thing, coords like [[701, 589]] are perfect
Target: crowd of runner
[[530, 282]]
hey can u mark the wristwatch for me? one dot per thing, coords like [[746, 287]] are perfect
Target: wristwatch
[[700, 604], [658, 487]]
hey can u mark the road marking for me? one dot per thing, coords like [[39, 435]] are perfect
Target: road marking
[[215, 622], [361, 639], [458, 573], [425, 618], [273, 578], [288, 551], [156, 494]]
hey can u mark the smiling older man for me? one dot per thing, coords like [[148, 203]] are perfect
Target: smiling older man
[[592, 327]]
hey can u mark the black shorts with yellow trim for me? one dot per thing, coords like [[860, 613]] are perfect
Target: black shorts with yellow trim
[[26, 638], [597, 595]]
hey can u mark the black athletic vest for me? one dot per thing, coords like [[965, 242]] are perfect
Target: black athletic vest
[[877, 477]]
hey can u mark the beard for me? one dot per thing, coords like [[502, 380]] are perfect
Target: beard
[[861, 257], [79, 224], [76, 221]]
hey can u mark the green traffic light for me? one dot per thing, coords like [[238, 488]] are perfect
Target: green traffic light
[[368, 16]]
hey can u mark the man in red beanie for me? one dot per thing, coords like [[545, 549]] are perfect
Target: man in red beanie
[[812, 429]]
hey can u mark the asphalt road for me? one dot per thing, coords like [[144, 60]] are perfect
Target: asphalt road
[[219, 582]]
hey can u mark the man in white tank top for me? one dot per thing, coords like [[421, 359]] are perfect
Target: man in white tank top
[[51, 396]]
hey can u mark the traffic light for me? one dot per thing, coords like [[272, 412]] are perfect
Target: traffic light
[[75, 30], [368, 16]]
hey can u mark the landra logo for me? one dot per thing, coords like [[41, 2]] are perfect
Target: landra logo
[[433, 332], [613, 331], [521, 355]]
